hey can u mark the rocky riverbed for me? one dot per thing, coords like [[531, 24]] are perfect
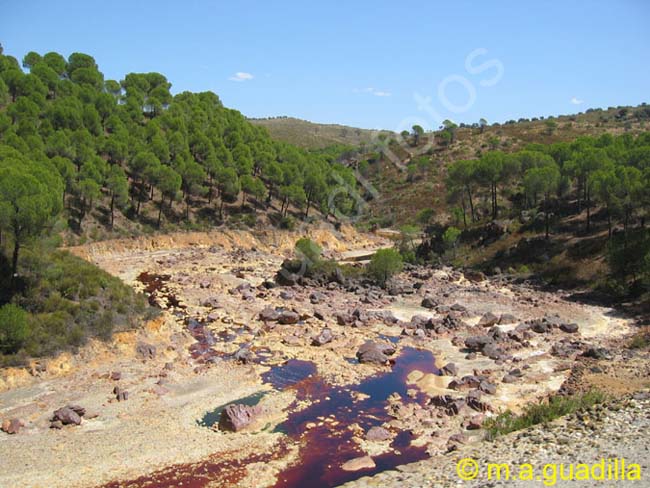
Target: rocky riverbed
[[347, 380]]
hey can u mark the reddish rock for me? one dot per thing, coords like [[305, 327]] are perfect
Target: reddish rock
[[12, 426], [67, 416], [238, 416], [378, 434], [373, 352], [357, 464]]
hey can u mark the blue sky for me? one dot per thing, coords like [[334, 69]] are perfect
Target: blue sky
[[361, 63]]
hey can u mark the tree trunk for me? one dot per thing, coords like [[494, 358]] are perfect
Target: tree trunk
[[162, 202], [546, 214], [588, 203], [14, 260], [112, 209], [609, 223], [471, 203]]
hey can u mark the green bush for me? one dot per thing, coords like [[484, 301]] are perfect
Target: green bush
[[308, 251], [384, 264], [14, 328], [541, 413]]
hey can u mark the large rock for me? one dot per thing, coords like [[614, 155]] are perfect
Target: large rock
[[569, 328], [238, 416], [288, 317], [323, 338], [67, 416], [378, 434], [478, 343], [145, 351], [12, 426], [429, 302], [373, 352], [269, 314], [357, 464], [474, 276], [488, 320]]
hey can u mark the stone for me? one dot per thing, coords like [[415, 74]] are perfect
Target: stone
[[569, 328], [12, 426], [145, 351], [449, 369], [116, 375], [120, 394], [238, 416], [288, 317], [323, 338], [541, 327], [597, 353], [478, 343], [429, 302], [378, 434], [476, 422], [205, 284], [269, 314], [67, 416], [488, 320], [357, 464], [316, 297], [343, 318], [507, 318], [373, 352], [509, 378], [56, 424], [81, 411], [244, 355], [287, 294], [487, 387], [474, 276]]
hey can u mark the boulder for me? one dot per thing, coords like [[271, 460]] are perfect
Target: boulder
[[244, 355], [378, 434], [120, 394], [317, 297], [476, 422], [569, 328], [145, 351], [507, 318], [12, 426], [374, 352], [488, 320], [478, 343], [597, 353], [474, 276], [323, 338], [238, 416], [449, 369], [67, 416], [269, 314], [288, 317], [357, 464], [429, 302]]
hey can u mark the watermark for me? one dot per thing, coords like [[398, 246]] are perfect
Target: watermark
[[433, 116], [549, 474]]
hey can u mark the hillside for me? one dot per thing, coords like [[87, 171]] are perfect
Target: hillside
[[418, 181], [311, 135]]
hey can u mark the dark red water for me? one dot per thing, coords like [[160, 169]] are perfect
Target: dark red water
[[324, 448]]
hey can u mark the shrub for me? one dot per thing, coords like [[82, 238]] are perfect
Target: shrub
[[384, 264], [541, 413], [308, 251], [14, 328]]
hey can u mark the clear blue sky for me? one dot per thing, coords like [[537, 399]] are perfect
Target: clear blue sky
[[360, 63]]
